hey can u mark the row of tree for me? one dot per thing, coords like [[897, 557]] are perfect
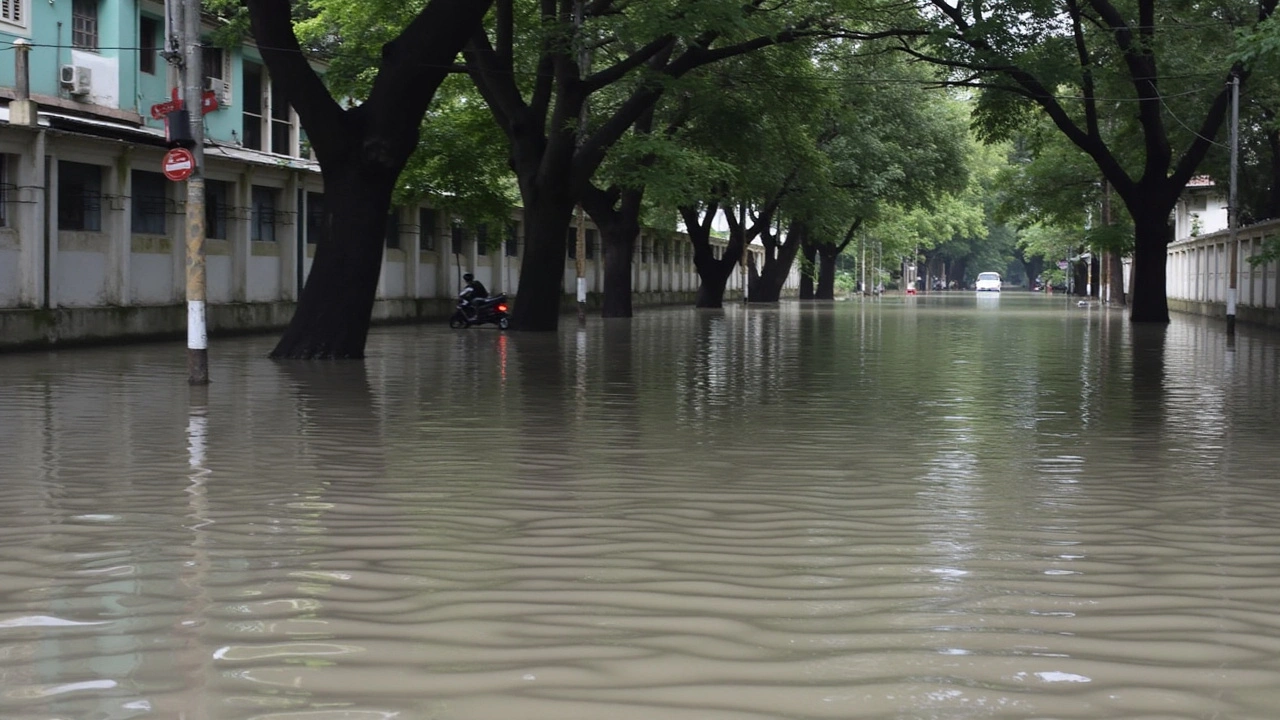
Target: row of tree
[[803, 123]]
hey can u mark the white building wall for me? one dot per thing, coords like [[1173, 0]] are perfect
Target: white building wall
[[1198, 269], [115, 267], [264, 277], [10, 269], [151, 279], [81, 279], [217, 275], [393, 285]]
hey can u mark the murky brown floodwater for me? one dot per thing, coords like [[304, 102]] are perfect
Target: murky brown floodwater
[[946, 508]]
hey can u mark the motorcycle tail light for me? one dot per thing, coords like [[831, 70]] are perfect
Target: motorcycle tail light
[[502, 308]]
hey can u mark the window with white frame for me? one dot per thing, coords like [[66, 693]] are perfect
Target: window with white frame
[[14, 12], [264, 214], [79, 196], [150, 205], [84, 24], [269, 123]]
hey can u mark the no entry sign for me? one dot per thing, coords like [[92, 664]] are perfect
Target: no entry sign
[[178, 164]]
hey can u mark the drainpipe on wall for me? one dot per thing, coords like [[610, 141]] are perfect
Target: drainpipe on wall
[[50, 215]]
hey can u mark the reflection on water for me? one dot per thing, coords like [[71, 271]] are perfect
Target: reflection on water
[[943, 507]]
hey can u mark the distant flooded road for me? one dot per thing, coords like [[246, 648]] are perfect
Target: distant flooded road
[[942, 507]]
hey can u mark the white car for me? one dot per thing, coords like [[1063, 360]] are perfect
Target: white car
[[988, 282]]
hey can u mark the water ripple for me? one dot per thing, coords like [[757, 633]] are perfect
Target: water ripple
[[785, 512]]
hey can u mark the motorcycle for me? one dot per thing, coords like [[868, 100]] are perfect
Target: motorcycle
[[480, 311]]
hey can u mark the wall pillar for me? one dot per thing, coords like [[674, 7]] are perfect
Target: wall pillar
[[32, 214], [498, 261], [411, 242], [117, 222], [294, 207], [240, 232], [444, 255]]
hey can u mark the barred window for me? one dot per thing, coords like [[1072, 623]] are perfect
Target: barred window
[[513, 240], [217, 206], [426, 229], [150, 205], [459, 237], [316, 222], [84, 24], [264, 214], [393, 230], [79, 196]]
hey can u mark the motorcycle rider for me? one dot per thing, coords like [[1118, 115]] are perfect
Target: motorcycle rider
[[472, 291]]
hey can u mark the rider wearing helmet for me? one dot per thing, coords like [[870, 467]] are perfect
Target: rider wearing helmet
[[473, 290]]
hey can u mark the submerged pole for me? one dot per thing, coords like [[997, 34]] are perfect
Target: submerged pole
[[1233, 212], [193, 90]]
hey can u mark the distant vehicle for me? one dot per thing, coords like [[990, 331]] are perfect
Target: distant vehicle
[[988, 282]]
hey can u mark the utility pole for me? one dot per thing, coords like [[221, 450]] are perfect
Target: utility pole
[[193, 90], [580, 249], [742, 225], [1104, 288], [862, 265], [1233, 211]]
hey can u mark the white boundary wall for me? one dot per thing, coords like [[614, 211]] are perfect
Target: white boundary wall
[[1197, 273], [45, 266]]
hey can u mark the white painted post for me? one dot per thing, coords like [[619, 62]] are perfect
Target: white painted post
[[1233, 211]]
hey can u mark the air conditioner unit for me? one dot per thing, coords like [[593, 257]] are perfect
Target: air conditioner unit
[[75, 79], [220, 88]]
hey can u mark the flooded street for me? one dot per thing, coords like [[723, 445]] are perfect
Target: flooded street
[[943, 507]]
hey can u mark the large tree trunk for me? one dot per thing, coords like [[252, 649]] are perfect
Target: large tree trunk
[[1115, 278], [617, 214], [777, 266], [1032, 269], [334, 311], [827, 255], [546, 221], [361, 152], [619, 245], [808, 264], [957, 272], [1148, 302], [713, 272], [1273, 162], [712, 279]]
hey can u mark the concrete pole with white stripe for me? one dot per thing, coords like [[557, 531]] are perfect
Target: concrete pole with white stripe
[[1233, 211], [193, 91]]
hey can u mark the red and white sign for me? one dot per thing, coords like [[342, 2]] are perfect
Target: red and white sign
[[178, 164], [208, 103], [159, 111]]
